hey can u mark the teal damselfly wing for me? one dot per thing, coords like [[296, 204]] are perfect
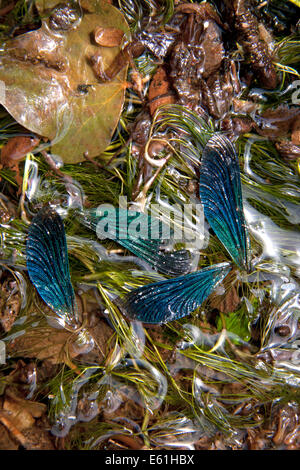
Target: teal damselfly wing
[[122, 226], [48, 264], [221, 197], [171, 299]]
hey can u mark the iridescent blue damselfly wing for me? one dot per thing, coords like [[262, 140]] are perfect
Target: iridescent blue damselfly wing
[[48, 264], [221, 197], [171, 299], [121, 226]]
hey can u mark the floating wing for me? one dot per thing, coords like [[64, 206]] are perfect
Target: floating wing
[[221, 196], [122, 226], [165, 301], [48, 264]]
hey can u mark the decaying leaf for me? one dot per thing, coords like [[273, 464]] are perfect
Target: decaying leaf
[[103, 336], [160, 91], [6, 441], [10, 303], [228, 302], [35, 408], [288, 150], [56, 346], [16, 148], [38, 439], [18, 423], [22, 412], [296, 131], [50, 86], [277, 122], [14, 151]]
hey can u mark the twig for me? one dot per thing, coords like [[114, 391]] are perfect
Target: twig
[[90, 159], [53, 167]]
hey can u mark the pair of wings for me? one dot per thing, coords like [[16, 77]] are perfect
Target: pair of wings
[[159, 302]]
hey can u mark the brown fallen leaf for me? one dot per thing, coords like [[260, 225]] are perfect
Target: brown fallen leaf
[[296, 131], [251, 37], [56, 346], [196, 67], [287, 422], [35, 408], [38, 439], [17, 148], [50, 77], [103, 337], [21, 429], [237, 126], [160, 91], [6, 442], [12, 428], [10, 303], [21, 418], [244, 106], [226, 303], [213, 49], [204, 10], [276, 122], [288, 150]]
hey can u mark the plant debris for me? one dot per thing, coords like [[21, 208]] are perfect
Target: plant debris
[[45, 71]]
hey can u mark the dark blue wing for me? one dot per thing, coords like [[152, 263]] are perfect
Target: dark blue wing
[[48, 264], [221, 196], [165, 301], [120, 225]]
